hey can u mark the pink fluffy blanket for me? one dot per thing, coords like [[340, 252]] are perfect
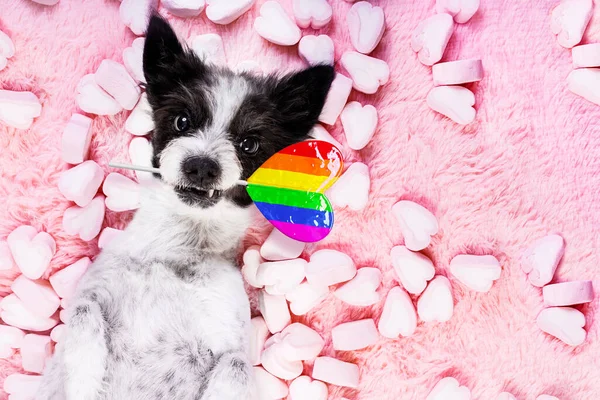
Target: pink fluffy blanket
[[528, 165]]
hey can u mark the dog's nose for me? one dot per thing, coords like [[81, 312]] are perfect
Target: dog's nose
[[202, 171]]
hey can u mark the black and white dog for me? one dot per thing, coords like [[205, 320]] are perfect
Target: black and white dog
[[162, 312]]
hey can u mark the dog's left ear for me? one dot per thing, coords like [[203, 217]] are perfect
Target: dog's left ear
[[299, 98]]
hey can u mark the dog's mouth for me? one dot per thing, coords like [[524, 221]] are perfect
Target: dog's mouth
[[200, 197]]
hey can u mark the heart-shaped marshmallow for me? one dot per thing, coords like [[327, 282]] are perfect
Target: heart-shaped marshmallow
[[449, 389], [18, 109], [58, 333], [21, 386], [114, 79], [184, 8], [276, 364], [336, 99], [209, 47], [413, 269], [7, 262], [336, 372], [275, 25], [279, 247], [122, 194], [65, 281], [367, 73], [274, 310], [361, 291], [478, 273], [352, 188], [461, 10], [38, 296], [359, 124], [304, 388], [306, 297], [85, 222], [135, 14], [586, 55], [15, 313], [224, 12], [366, 25], [252, 261], [329, 267], [320, 133], [81, 183], [7, 49], [35, 350], [297, 342], [258, 336], [455, 102], [93, 99], [399, 316], [569, 20], [140, 120], [312, 13], [506, 396], [10, 339], [281, 277], [317, 50], [585, 82], [108, 235], [568, 293], [457, 72], [31, 251], [564, 323], [436, 303], [540, 260], [76, 139], [354, 335], [431, 37], [133, 59], [269, 386], [140, 153]]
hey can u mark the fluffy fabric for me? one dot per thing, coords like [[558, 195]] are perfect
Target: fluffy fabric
[[528, 165]]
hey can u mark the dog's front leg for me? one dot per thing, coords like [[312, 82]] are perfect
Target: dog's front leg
[[231, 379]]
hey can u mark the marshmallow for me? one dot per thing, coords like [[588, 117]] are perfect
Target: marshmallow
[[184, 8], [360, 124], [7, 49], [23, 386], [306, 297], [140, 153], [18, 109], [258, 336], [436, 303], [361, 291], [10, 339], [38, 296], [352, 188], [93, 99], [449, 389], [122, 194], [316, 50], [64, 282], [224, 12], [274, 310], [313, 14], [276, 364], [140, 120], [320, 133], [329, 267], [354, 335], [457, 72], [268, 386], [46, 2], [586, 55], [540, 260], [81, 183], [281, 277], [15, 313], [116, 81], [135, 14], [461, 10], [7, 262], [478, 273], [209, 48], [108, 235], [413, 269], [336, 372], [252, 261], [431, 37], [275, 25], [279, 247], [35, 350], [564, 323], [399, 316], [454, 102], [85, 222], [32, 252], [568, 293], [76, 139], [366, 25], [585, 82], [297, 342], [367, 73], [569, 20], [304, 388], [133, 59], [58, 332], [416, 223], [336, 99]]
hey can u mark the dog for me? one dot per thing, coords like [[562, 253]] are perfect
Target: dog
[[162, 312]]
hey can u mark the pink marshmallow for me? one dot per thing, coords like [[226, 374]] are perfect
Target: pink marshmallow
[[76, 139], [457, 72], [361, 291], [37, 296], [431, 37], [320, 133], [252, 261], [18, 109], [140, 120], [274, 310], [564, 323], [585, 82], [258, 336], [305, 297], [268, 386], [116, 81], [108, 235], [329, 267], [454, 102], [184, 8], [568, 293], [81, 183], [133, 59], [281, 277], [276, 364], [354, 335], [7, 262], [366, 25], [315, 13], [336, 99], [15, 313], [461, 10], [24, 386], [297, 342], [122, 194], [58, 332], [32, 252], [65, 281], [10, 339], [540, 261], [336, 372], [85, 222], [279, 247], [93, 99], [569, 19], [35, 350], [136, 14], [586, 55], [399, 316], [304, 388]]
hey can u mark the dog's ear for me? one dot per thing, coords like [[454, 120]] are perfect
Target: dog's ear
[[299, 98], [162, 50]]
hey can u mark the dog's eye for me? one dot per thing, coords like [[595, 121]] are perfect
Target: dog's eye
[[182, 123], [249, 145]]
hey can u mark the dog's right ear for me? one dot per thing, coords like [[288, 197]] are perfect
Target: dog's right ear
[[162, 51]]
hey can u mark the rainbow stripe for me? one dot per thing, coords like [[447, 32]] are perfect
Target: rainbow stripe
[[288, 189]]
